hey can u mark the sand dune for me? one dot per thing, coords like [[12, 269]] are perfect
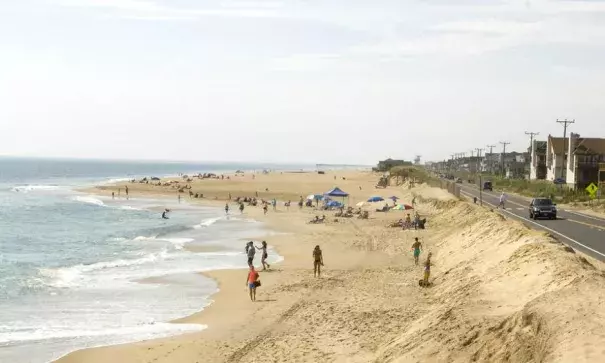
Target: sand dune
[[501, 292]]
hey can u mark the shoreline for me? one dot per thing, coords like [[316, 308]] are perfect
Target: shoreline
[[490, 298], [222, 277]]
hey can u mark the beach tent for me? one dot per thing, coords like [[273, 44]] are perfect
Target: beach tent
[[334, 204], [402, 207], [337, 193], [375, 199], [315, 197]]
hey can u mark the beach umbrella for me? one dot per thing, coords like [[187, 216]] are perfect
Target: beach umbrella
[[375, 199], [394, 198], [315, 197]]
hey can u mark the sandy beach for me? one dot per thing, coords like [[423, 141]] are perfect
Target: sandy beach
[[500, 291]]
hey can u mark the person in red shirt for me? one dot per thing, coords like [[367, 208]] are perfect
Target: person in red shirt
[[252, 282]]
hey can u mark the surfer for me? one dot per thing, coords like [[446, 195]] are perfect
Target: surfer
[[164, 214]]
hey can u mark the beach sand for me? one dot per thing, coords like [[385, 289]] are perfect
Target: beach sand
[[500, 292]]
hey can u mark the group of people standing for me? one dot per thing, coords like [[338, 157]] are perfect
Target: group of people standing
[[253, 277]]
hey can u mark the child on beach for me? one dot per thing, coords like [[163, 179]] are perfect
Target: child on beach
[[318, 261], [416, 247], [252, 282], [264, 255]]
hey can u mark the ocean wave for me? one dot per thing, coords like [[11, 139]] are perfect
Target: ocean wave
[[117, 180], [178, 242], [10, 334], [29, 188], [128, 207], [207, 222], [89, 200], [68, 276]]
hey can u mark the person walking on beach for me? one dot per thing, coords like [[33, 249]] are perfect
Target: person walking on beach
[[300, 202], [126, 188], [427, 270], [416, 247], [264, 256], [274, 204], [226, 208], [318, 261], [252, 282], [241, 208], [265, 208], [113, 195], [250, 252]]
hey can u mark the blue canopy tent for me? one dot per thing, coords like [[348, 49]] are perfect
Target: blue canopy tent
[[337, 193], [375, 199], [334, 204]]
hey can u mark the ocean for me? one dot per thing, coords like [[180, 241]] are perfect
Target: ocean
[[75, 268]]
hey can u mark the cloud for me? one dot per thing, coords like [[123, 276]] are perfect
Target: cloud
[[151, 10]]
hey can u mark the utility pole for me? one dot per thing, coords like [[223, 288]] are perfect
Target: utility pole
[[531, 138], [491, 149], [504, 143], [478, 159], [565, 123]]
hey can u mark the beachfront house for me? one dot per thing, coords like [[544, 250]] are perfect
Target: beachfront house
[[537, 168], [515, 165], [490, 162], [555, 159], [585, 154]]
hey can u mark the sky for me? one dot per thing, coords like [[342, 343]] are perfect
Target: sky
[[320, 81]]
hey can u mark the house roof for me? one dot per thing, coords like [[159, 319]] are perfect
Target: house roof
[[590, 145], [558, 144]]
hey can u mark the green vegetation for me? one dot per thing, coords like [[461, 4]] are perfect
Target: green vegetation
[[417, 173], [388, 164], [538, 188]]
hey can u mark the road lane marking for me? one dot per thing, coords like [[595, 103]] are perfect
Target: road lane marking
[[566, 211], [586, 216], [586, 224], [507, 200], [546, 228]]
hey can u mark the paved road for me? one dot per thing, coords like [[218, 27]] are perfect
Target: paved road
[[583, 232]]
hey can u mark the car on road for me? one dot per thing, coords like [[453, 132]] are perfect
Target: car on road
[[542, 208], [487, 186]]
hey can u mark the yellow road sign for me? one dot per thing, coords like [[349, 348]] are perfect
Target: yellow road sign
[[592, 189]]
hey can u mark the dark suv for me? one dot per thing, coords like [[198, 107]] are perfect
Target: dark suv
[[542, 207]]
